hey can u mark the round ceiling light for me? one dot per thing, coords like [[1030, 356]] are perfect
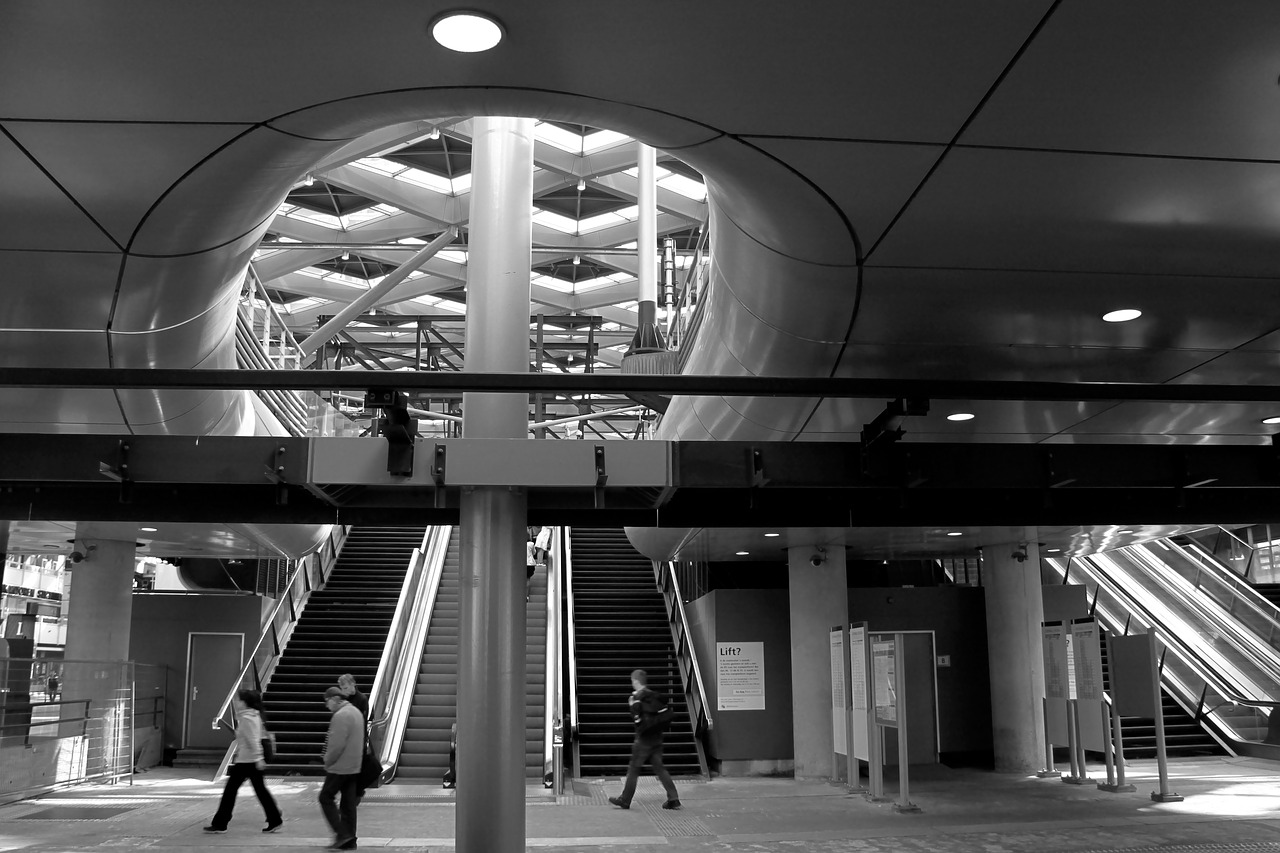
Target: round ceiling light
[[466, 32], [960, 416], [1122, 315]]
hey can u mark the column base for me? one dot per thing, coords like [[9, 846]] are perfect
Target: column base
[[1117, 789], [1049, 774], [1166, 798]]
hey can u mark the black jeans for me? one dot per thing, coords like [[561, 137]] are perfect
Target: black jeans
[[643, 753], [341, 819], [236, 774]]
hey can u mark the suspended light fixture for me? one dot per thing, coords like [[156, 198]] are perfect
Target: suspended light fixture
[[434, 134], [582, 184], [577, 259], [308, 180], [346, 256]]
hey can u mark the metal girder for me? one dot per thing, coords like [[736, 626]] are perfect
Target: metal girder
[[736, 386], [689, 484]]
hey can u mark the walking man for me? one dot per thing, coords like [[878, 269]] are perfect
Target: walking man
[[343, 750], [648, 712]]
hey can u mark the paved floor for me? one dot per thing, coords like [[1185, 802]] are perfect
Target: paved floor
[[1231, 805]]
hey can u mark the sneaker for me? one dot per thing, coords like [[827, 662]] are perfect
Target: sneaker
[[272, 827], [620, 803], [212, 828], [343, 844], [671, 804]]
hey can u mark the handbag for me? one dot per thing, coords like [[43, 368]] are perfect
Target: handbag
[[268, 745], [370, 769]]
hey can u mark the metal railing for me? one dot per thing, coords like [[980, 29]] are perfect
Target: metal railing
[[553, 683], [569, 647], [309, 574], [681, 323], [686, 655], [391, 697]]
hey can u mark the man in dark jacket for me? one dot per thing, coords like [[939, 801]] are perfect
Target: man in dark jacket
[[646, 707]]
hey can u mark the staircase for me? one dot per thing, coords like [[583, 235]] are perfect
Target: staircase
[[620, 624], [1182, 734], [343, 629], [424, 755]]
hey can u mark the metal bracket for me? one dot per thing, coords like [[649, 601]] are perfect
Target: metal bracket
[[602, 476], [757, 468], [120, 472], [275, 473], [437, 474]]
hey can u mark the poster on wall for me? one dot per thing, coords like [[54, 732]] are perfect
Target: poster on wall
[[884, 664], [740, 676], [838, 691]]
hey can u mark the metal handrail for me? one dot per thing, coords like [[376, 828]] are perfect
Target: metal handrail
[[321, 563], [677, 605], [570, 646], [392, 695], [553, 685], [286, 336], [1241, 590]]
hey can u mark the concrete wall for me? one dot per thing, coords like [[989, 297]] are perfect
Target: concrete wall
[[161, 625], [744, 742], [957, 616]]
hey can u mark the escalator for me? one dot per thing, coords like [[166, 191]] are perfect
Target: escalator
[[620, 624], [424, 751], [1217, 637], [343, 629]]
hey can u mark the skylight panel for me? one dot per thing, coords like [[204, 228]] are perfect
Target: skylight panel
[[687, 187], [556, 284], [555, 221], [363, 217], [605, 220], [298, 305], [428, 180], [457, 256], [558, 137], [379, 165], [602, 139]]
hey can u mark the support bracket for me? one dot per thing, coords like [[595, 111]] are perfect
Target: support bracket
[[437, 474], [120, 472], [275, 473], [602, 476]]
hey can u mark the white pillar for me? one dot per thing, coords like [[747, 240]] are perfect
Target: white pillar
[[819, 601], [1015, 609], [492, 619]]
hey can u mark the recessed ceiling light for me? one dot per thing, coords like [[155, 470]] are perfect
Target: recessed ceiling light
[[742, 553], [1054, 550], [1272, 420], [147, 529], [771, 535], [955, 533], [466, 32], [1123, 531], [960, 416], [1122, 315]]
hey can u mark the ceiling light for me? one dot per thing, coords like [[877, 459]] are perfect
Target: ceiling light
[[466, 32], [346, 256], [1272, 420], [1054, 550], [955, 533], [582, 184], [742, 553], [771, 535], [147, 529], [308, 181], [960, 416], [577, 259], [434, 134], [1122, 315]]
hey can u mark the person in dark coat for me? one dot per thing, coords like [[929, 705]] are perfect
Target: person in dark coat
[[645, 705]]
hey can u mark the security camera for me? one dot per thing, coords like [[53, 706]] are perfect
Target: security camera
[[77, 556], [1021, 554], [819, 557]]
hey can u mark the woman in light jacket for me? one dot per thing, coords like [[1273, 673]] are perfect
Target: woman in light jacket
[[248, 764]]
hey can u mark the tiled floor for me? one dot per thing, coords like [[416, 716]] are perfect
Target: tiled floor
[[1230, 805]]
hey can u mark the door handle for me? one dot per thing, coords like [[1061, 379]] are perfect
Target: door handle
[[195, 693]]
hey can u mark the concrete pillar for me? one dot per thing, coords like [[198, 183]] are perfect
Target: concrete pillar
[[819, 601], [1015, 609], [98, 616], [492, 618]]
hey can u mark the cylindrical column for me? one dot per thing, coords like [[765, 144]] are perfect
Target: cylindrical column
[[647, 337], [99, 613], [819, 598], [1015, 609], [498, 273], [491, 659]]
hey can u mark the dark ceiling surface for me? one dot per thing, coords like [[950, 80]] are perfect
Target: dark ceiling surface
[[945, 189]]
